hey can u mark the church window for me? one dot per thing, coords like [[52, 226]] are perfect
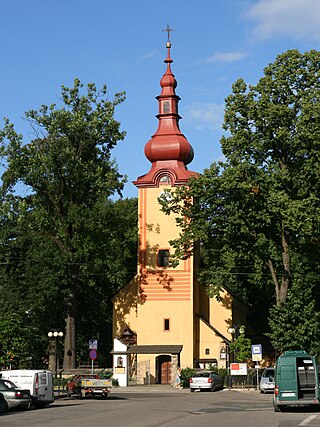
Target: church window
[[163, 258], [166, 324], [166, 107], [207, 351]]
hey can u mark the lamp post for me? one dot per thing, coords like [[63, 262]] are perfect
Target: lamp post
[[53, 350]]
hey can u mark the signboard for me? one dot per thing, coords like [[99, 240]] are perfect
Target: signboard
[[256, 350], [93, 354], [93, 344], [238, 369]]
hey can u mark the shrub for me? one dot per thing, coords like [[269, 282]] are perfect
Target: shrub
[[186, 374]]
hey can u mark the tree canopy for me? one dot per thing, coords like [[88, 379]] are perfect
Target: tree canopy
[[71, 239], [256, 214]]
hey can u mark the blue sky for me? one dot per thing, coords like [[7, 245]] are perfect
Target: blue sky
[[48, 43]]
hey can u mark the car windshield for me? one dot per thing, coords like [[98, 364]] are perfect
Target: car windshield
[[6, 384]]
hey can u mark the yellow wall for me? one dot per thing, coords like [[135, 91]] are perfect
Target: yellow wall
[[221, 313], [168, 292], [158, 293]]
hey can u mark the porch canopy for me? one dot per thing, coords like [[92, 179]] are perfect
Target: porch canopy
[[155, 349]]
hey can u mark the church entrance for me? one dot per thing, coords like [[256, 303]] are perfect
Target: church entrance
[[163, 364]]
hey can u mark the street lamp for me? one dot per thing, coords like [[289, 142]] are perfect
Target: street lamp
[[53, 350]]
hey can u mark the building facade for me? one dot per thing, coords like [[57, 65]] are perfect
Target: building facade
[[163, 318]]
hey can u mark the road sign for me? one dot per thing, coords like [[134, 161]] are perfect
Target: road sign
[[93, 354], [256, 350], [93, 344]]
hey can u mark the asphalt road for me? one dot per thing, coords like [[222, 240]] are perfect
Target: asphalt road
[[175, 409]]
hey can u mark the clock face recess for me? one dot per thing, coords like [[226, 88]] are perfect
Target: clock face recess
[[165, 179]]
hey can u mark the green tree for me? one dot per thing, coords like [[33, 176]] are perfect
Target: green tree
[[241, 348], [70, 174], [300, 320], [257, 213]]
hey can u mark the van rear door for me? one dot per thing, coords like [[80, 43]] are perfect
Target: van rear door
[[287, 383], [44, 386]]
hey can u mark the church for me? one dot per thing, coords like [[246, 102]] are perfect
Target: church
[[163, 318]]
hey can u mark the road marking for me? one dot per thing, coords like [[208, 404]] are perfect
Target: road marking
[[259, 409], [308, 420]]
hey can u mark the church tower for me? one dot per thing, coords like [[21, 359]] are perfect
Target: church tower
[[162, 317], [167, 293]]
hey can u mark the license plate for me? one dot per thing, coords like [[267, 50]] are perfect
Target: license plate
[[288, 394], [25, 396]]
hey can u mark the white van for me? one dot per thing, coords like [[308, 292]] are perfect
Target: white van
[[40, 384]]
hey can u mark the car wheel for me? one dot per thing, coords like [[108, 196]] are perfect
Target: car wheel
[[40, 405], [3, 406], [277, 408], [213, 388], [192, 390]]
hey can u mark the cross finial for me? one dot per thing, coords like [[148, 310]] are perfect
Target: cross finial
[[168, 30]]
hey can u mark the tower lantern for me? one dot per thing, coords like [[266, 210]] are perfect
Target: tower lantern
[[168, 150]]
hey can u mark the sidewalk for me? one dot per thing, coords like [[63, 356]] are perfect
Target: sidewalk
[[154, 388], [167, 388]]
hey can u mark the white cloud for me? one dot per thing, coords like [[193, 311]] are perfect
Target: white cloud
[[298, 19], [147, 56], [204, 115], [226, 57]]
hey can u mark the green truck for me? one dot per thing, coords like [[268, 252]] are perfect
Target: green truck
[[296, 381]]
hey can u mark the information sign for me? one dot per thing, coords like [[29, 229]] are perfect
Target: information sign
[[238, 369], [256, 352], [93, 344]]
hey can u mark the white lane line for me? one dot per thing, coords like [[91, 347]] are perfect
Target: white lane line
[[308, 420], [259, 409]]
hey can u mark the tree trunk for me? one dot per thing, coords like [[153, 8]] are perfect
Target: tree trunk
[[286, 271], [281, 288], [69, 359], [274, 278], [52, 355]]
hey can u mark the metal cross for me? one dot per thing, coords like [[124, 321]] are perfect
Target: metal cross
[[168, 30]]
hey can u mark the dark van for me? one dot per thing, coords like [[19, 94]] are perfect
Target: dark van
[[296, 380]]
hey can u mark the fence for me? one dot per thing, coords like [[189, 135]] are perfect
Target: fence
[[244, 381]]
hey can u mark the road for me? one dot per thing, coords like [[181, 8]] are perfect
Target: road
[[172, 408]]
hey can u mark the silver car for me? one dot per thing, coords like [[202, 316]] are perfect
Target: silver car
[[12, 397], [206, 380], [267, 381]]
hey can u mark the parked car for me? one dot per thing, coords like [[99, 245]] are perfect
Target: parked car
[[206, 380], [13, 397], [38, 382], [267, 380]]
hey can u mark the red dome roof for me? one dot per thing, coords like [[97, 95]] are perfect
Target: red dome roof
[[168, 148]]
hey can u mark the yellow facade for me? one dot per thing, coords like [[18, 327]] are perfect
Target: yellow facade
[[158, 294], [168, 316]]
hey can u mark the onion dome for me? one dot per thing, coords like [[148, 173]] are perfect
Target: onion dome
[[168, 149]]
